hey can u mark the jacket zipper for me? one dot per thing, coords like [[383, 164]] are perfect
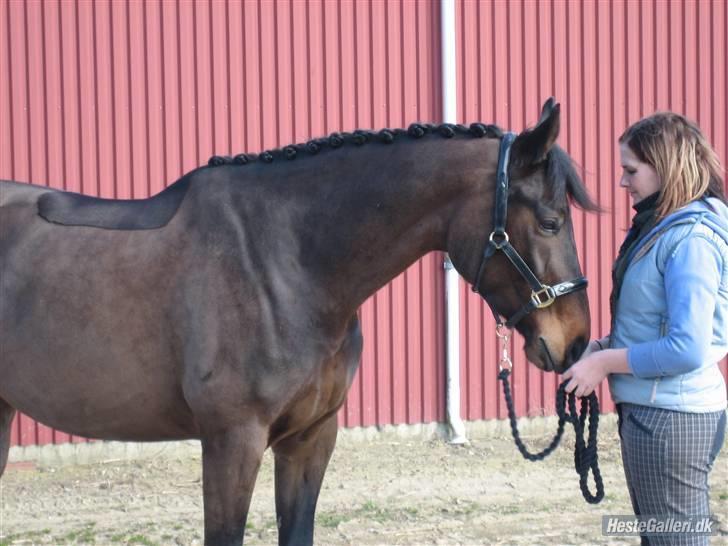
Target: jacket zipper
[[663, 331], [654, 391]]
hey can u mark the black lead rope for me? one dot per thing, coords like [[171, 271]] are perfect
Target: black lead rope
[[585, 453]]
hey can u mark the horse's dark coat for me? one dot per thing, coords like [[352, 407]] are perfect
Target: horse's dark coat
[[73, 209], [235, 320]]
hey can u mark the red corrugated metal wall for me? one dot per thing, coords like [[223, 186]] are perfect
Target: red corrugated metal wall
[[608, 63], [119, 98]]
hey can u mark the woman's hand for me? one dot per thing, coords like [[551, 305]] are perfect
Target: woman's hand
[[591, 369], [586, 374]]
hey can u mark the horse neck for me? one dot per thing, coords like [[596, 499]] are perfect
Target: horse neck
[[394, 208]]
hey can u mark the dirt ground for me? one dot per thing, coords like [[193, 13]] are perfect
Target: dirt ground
[[385, 491]]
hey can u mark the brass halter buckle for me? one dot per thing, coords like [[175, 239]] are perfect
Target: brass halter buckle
[[544, 297]]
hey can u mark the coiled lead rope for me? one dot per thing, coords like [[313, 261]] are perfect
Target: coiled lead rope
[[585, 453]]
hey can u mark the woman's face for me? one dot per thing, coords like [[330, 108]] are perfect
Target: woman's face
[[638, 178]]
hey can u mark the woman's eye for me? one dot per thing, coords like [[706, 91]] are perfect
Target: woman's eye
[[550, 225]]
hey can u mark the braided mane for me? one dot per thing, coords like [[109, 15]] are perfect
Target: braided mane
[[560, 167], [358, 138]]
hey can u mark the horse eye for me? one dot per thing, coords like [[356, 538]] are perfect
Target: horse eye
[[551, 225]]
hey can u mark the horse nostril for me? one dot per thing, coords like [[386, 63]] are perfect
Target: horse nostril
[[575, 351]]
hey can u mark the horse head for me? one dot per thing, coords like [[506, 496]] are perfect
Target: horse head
[[526, 265]]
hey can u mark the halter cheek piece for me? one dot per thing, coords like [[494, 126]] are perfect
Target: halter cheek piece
[[542, 295]]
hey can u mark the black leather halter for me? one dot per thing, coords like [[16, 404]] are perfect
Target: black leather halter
[[542, 295]]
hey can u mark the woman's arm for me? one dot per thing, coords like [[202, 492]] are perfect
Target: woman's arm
[[692, 278]]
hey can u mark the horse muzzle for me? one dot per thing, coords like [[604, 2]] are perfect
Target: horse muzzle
[[571, 355]]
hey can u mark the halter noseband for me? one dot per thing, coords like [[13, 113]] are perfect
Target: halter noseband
[[542, 295]]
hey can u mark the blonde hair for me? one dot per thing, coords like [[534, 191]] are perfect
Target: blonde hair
[[683, 158]]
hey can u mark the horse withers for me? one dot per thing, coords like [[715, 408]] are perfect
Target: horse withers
[[225, 308]]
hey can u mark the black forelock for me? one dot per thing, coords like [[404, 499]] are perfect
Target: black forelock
[[566, 182]]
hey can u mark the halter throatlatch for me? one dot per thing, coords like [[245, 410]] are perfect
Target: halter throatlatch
[[542, 295]]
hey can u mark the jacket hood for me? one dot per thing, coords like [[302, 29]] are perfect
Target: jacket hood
[[713, 211]]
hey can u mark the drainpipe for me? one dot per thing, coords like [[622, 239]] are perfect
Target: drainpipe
[[452, 279]]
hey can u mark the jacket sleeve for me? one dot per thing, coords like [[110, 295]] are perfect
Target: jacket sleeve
[[692, 278]]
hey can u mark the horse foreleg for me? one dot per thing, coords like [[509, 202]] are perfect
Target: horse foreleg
[[300, 464], [6, 418], [230, 462]]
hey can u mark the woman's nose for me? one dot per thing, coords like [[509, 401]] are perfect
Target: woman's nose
[[623, 182]]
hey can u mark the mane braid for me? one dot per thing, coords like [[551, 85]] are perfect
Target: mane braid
[[358, 138]]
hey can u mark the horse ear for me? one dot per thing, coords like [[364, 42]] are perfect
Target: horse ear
[[532, 145], [548, 106]]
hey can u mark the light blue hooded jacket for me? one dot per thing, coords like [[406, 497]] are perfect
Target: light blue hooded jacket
[[672, 313]]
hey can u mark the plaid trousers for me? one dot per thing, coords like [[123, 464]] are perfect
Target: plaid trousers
[[667, 456]]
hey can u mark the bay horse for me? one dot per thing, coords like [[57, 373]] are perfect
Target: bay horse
[[224, 308]]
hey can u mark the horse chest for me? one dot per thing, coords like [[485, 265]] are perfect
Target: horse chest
[[324, 389], [330, 375]]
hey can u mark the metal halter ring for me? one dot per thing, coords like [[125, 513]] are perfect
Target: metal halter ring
[[500, 244], [503, 333], [544, 297]]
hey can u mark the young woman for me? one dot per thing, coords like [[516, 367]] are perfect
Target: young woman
[[669, 330]]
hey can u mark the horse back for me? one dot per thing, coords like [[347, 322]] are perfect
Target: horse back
[[18, 209], [20, 194]]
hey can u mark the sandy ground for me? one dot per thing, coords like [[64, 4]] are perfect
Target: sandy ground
[[385, 491]]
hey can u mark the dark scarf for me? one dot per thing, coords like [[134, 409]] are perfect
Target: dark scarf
[[642, 223]]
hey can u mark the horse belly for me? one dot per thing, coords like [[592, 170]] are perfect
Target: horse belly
[[94, 392]]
